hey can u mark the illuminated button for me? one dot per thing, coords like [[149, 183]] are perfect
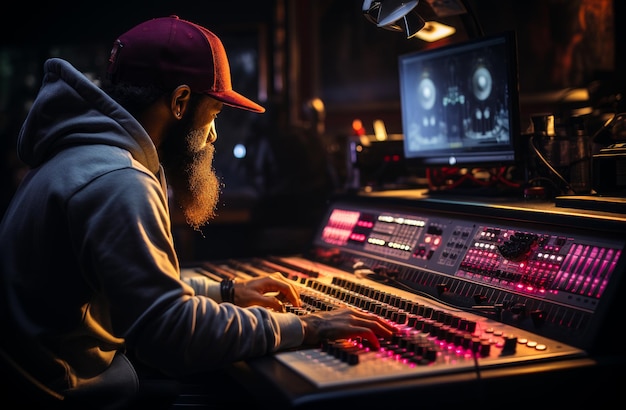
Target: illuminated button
[[531, 344], [541, 347]]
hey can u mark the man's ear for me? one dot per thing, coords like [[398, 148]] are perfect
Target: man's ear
[[179, 99]]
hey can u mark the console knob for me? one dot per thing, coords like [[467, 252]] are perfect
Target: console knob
[[485, 348], [430, 354], [510, 344]]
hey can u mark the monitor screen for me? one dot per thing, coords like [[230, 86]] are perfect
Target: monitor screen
[[460, 103]]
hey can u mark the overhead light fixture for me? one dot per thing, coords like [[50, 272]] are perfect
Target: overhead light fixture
[[394, 15], [414, 21]]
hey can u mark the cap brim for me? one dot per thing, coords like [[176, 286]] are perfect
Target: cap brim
[[234, 99]]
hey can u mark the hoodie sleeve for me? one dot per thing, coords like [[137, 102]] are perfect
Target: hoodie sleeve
[[122, 235], [204, 286]]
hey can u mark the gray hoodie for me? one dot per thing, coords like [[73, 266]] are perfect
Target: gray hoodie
[[88, 266]]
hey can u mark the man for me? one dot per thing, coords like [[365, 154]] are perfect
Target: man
[[89, 270]]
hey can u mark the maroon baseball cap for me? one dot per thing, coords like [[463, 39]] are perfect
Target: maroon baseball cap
[[170, 51]]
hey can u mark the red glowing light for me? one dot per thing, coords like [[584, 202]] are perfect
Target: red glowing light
[[357, 127]]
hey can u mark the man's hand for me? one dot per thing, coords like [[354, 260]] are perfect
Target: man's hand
[[269, 291], [345, 323]]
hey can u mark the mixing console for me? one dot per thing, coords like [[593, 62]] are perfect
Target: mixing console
[[544, 278], [432, 338], [470, 288]]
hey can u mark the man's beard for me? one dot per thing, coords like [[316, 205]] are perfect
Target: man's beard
[[190, 173]]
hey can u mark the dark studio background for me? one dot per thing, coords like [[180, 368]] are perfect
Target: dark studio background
[[284, 53]]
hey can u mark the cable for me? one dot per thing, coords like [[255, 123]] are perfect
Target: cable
[[479, 380], [475, 22], [550, 167], [607, 125]]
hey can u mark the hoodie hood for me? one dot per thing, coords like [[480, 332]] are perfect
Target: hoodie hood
[[71, 110]]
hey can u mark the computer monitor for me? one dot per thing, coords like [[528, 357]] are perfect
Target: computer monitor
[[460, 104]]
